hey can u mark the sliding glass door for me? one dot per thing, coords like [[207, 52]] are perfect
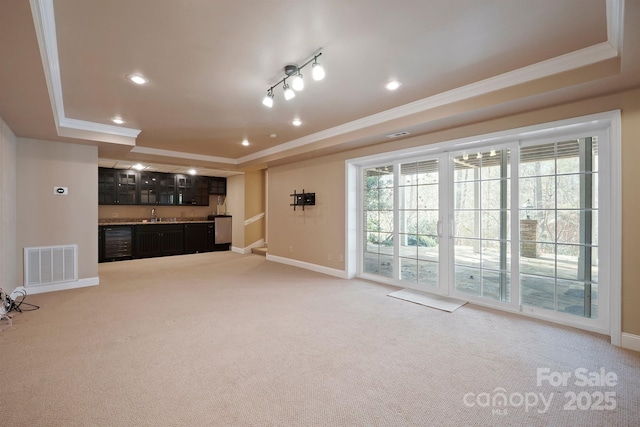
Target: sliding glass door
[[559, 226], [482, 215], [402, 225], [418, 223], [513, 225]]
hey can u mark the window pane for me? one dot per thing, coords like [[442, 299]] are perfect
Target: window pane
[[466, 195], [491, 221], [409, 270], [568, 191], [467, 279], [429, 248], [492, 164], [568, 262], [428, 222], [544, 264], [386, 266], [408, 197], [466, 224], [538, 291], [385, 199], [491, 284], [491, 255], [568, 153], [467, 252], [408, 221], [571, 297], [385, 219], [428, 196], [408, 245], [372, 221], [538, 193], [491, 194], [537, 160], [568, 226], [541, 226], [428, 273]]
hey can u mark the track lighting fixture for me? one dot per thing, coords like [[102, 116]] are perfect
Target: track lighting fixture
[[297, 81]]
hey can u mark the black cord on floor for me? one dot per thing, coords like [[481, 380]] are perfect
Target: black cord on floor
[[16, 305]]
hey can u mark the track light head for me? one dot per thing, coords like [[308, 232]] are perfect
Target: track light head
[[316, 70], [268, 99], [288, 92], [297, 83]]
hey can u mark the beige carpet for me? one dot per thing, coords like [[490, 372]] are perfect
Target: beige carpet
[[222, 339]]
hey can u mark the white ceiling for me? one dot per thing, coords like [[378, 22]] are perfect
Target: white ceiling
[[64, 62]]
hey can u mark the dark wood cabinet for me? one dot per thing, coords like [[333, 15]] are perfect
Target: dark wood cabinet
[[218, 186], [159, 240], [195, 238], [117, 242], [117, 187], [167, 189], [129, 187], [211, 237], [106, 186], [192, 190], [149, 184], [126, 187]]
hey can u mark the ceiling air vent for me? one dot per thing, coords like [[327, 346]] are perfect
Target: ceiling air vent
[[398, 134]]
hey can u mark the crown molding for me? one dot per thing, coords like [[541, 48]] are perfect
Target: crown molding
[[45, 26], [182, 155], [570, 61]]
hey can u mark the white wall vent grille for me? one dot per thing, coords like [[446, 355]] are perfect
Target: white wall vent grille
[[50, 264]]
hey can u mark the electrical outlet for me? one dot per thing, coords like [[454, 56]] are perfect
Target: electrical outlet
[[290, 249], [115, 215], [341, 258]]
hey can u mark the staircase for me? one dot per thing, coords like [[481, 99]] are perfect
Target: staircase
[[260, 251]]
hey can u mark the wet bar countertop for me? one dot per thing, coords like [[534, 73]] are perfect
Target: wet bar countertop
[[143, 221]]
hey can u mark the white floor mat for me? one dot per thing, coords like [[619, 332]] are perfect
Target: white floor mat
[[430, 300]]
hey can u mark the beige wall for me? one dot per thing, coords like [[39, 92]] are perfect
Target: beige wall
[[46, 219], [254, 204], [235, 208], [317, 234], [8, 268]]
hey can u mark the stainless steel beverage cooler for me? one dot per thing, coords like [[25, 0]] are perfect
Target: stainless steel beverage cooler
[[222, 230]]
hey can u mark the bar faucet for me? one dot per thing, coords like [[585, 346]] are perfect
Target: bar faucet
[[153, 214]]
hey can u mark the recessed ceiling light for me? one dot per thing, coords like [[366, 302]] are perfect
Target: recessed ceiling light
[[273, 135], [296, 122], [192, 171], [138, 166], [245, 143], [393, 85], [117, 120], [137, 79]]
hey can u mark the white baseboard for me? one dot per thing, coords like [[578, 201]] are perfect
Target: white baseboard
[[630, 341], [308, 266], [63, 286], [237, 250]]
